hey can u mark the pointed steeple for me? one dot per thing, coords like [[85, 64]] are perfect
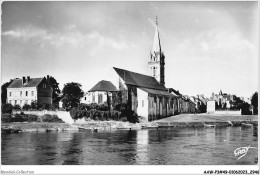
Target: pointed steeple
[[156, 41], [156, 60]]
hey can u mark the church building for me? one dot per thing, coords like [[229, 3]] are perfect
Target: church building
[[147, 95]]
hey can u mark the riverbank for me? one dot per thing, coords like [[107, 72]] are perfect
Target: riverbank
[[36, 127], [183, 120], [201, 120]]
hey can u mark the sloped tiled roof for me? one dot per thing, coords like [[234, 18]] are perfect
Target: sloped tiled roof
[[158, 92], [103, 86], [139, 80], [17, 83]]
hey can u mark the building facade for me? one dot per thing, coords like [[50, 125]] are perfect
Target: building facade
[[26, 90], [101, 93]]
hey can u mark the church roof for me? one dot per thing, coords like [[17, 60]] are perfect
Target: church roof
[[103, 86], [158, 92], [17, 83], [139, 80]]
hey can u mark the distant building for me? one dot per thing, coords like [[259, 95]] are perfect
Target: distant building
[[100, 93], [26, 90], [223, 100]]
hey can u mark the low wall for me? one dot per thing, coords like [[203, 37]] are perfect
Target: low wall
[[227, 112], [64, 115]]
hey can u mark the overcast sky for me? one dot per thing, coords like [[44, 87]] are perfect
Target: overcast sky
[[208, 45]]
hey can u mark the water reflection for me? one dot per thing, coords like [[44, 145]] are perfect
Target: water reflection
[[175, 146]]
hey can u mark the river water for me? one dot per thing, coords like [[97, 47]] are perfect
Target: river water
[[173, 146]]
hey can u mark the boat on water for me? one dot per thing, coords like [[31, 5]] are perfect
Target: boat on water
[[247, 125], [209, 126], [86, 129], [150, 127]]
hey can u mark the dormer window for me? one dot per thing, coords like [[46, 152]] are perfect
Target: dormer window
[[44, 85]]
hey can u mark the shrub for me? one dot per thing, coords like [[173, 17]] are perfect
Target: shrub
[[33, 118], [92, 112], [6, 118], [74, 113], [19, 118], [7, 108], [34, 105], [93, 106], [51, 119], [102, 107], [17, 107], [83, 106], [26, 107], [97, 115], [43, 106]]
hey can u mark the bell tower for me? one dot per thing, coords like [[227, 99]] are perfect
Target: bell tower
[[156, 59]]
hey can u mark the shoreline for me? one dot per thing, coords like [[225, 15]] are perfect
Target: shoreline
[[178, 121]]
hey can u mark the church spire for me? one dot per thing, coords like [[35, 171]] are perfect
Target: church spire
[[156, 41], [156, 60]]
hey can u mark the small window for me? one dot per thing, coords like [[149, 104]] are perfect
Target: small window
[[10, 101], [32, 93], [21, 93], [93, 98], [26, 101], [26, 93], [142, 103], [10, 94], [100, 98], [85, 98], [154, 71], [20, 102], [15, 102], [44, 85]]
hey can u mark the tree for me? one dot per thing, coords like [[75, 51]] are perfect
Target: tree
[[4, 91], [7, 108], [254, 103], [72, 93], [55, 89]]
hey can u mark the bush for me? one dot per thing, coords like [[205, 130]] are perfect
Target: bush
[[26, 107], [43, 106], [97, 115], [33, 118], [102, 107], [6, 118], [83, 106], [51, 119], [74, 113], [19, 118], [7, 108], [17, 107], [34, 105]]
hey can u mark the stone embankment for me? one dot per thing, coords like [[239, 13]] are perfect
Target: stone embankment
[[36, 127]]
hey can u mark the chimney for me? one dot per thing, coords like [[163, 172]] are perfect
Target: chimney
[[48, 78], [23, 80], [28, 79]]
